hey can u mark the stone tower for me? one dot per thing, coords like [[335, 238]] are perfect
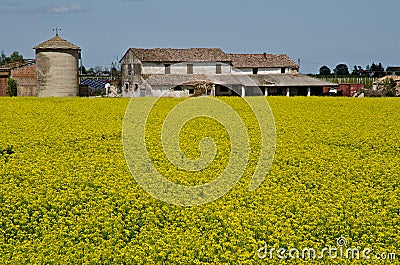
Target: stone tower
[[57, 68]]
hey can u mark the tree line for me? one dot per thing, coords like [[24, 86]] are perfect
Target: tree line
[[373, 70], [14, 57]]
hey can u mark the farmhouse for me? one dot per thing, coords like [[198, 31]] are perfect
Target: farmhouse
[[211, 71]]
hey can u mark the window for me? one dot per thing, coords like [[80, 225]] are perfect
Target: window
[[129, 69], [255, 71], [126, 86], [283, 70], [218, 69], [191, 91], [137, 69], [167, 69], [190, 69]]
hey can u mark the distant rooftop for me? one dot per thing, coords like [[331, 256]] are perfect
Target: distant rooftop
[[213, 55], [181, 55], [262, 61], [57, 43]]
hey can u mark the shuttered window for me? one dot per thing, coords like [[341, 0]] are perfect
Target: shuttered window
[[218, 69], [190, 69], [167, 69]]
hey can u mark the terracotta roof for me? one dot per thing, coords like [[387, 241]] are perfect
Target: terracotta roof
[[19, 64], [57, 43], [181, 55], [262, 61]]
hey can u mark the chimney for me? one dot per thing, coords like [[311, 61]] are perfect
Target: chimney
[[265, 55]]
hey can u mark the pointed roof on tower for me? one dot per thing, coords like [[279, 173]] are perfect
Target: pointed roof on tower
[[57, 43]]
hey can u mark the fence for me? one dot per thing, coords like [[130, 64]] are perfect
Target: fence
[[366, 81]]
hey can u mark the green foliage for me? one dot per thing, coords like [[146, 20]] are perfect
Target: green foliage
[[356, 70], [341, 69], [7, 152], [67, 196], [389, 87], [12, 87], [377, 70], [14, 57], [366, 81], [324, 70]]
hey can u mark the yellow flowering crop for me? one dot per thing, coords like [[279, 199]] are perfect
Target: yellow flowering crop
[[68, 197]]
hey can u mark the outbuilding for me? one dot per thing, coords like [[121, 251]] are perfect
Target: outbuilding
[[57, 70]]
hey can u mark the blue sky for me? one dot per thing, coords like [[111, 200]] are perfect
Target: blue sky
[[316, 31]]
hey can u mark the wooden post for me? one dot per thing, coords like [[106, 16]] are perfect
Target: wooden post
[[308, 91], [243, 92], [288, 92]]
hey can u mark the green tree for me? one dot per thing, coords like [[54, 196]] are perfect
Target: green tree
[[324, 70], [12, 87], [389, 87], [356, 70], [15, 56], [341, 69]]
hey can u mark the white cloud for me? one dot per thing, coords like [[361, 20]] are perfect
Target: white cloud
[[62, 9]]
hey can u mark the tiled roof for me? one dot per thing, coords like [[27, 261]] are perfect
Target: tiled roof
[[213, 55], [57, 43], [262, 61], [181, 55], [19, 64]]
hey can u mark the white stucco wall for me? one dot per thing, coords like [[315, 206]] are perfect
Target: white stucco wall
[[249, 71], [208, 68]]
